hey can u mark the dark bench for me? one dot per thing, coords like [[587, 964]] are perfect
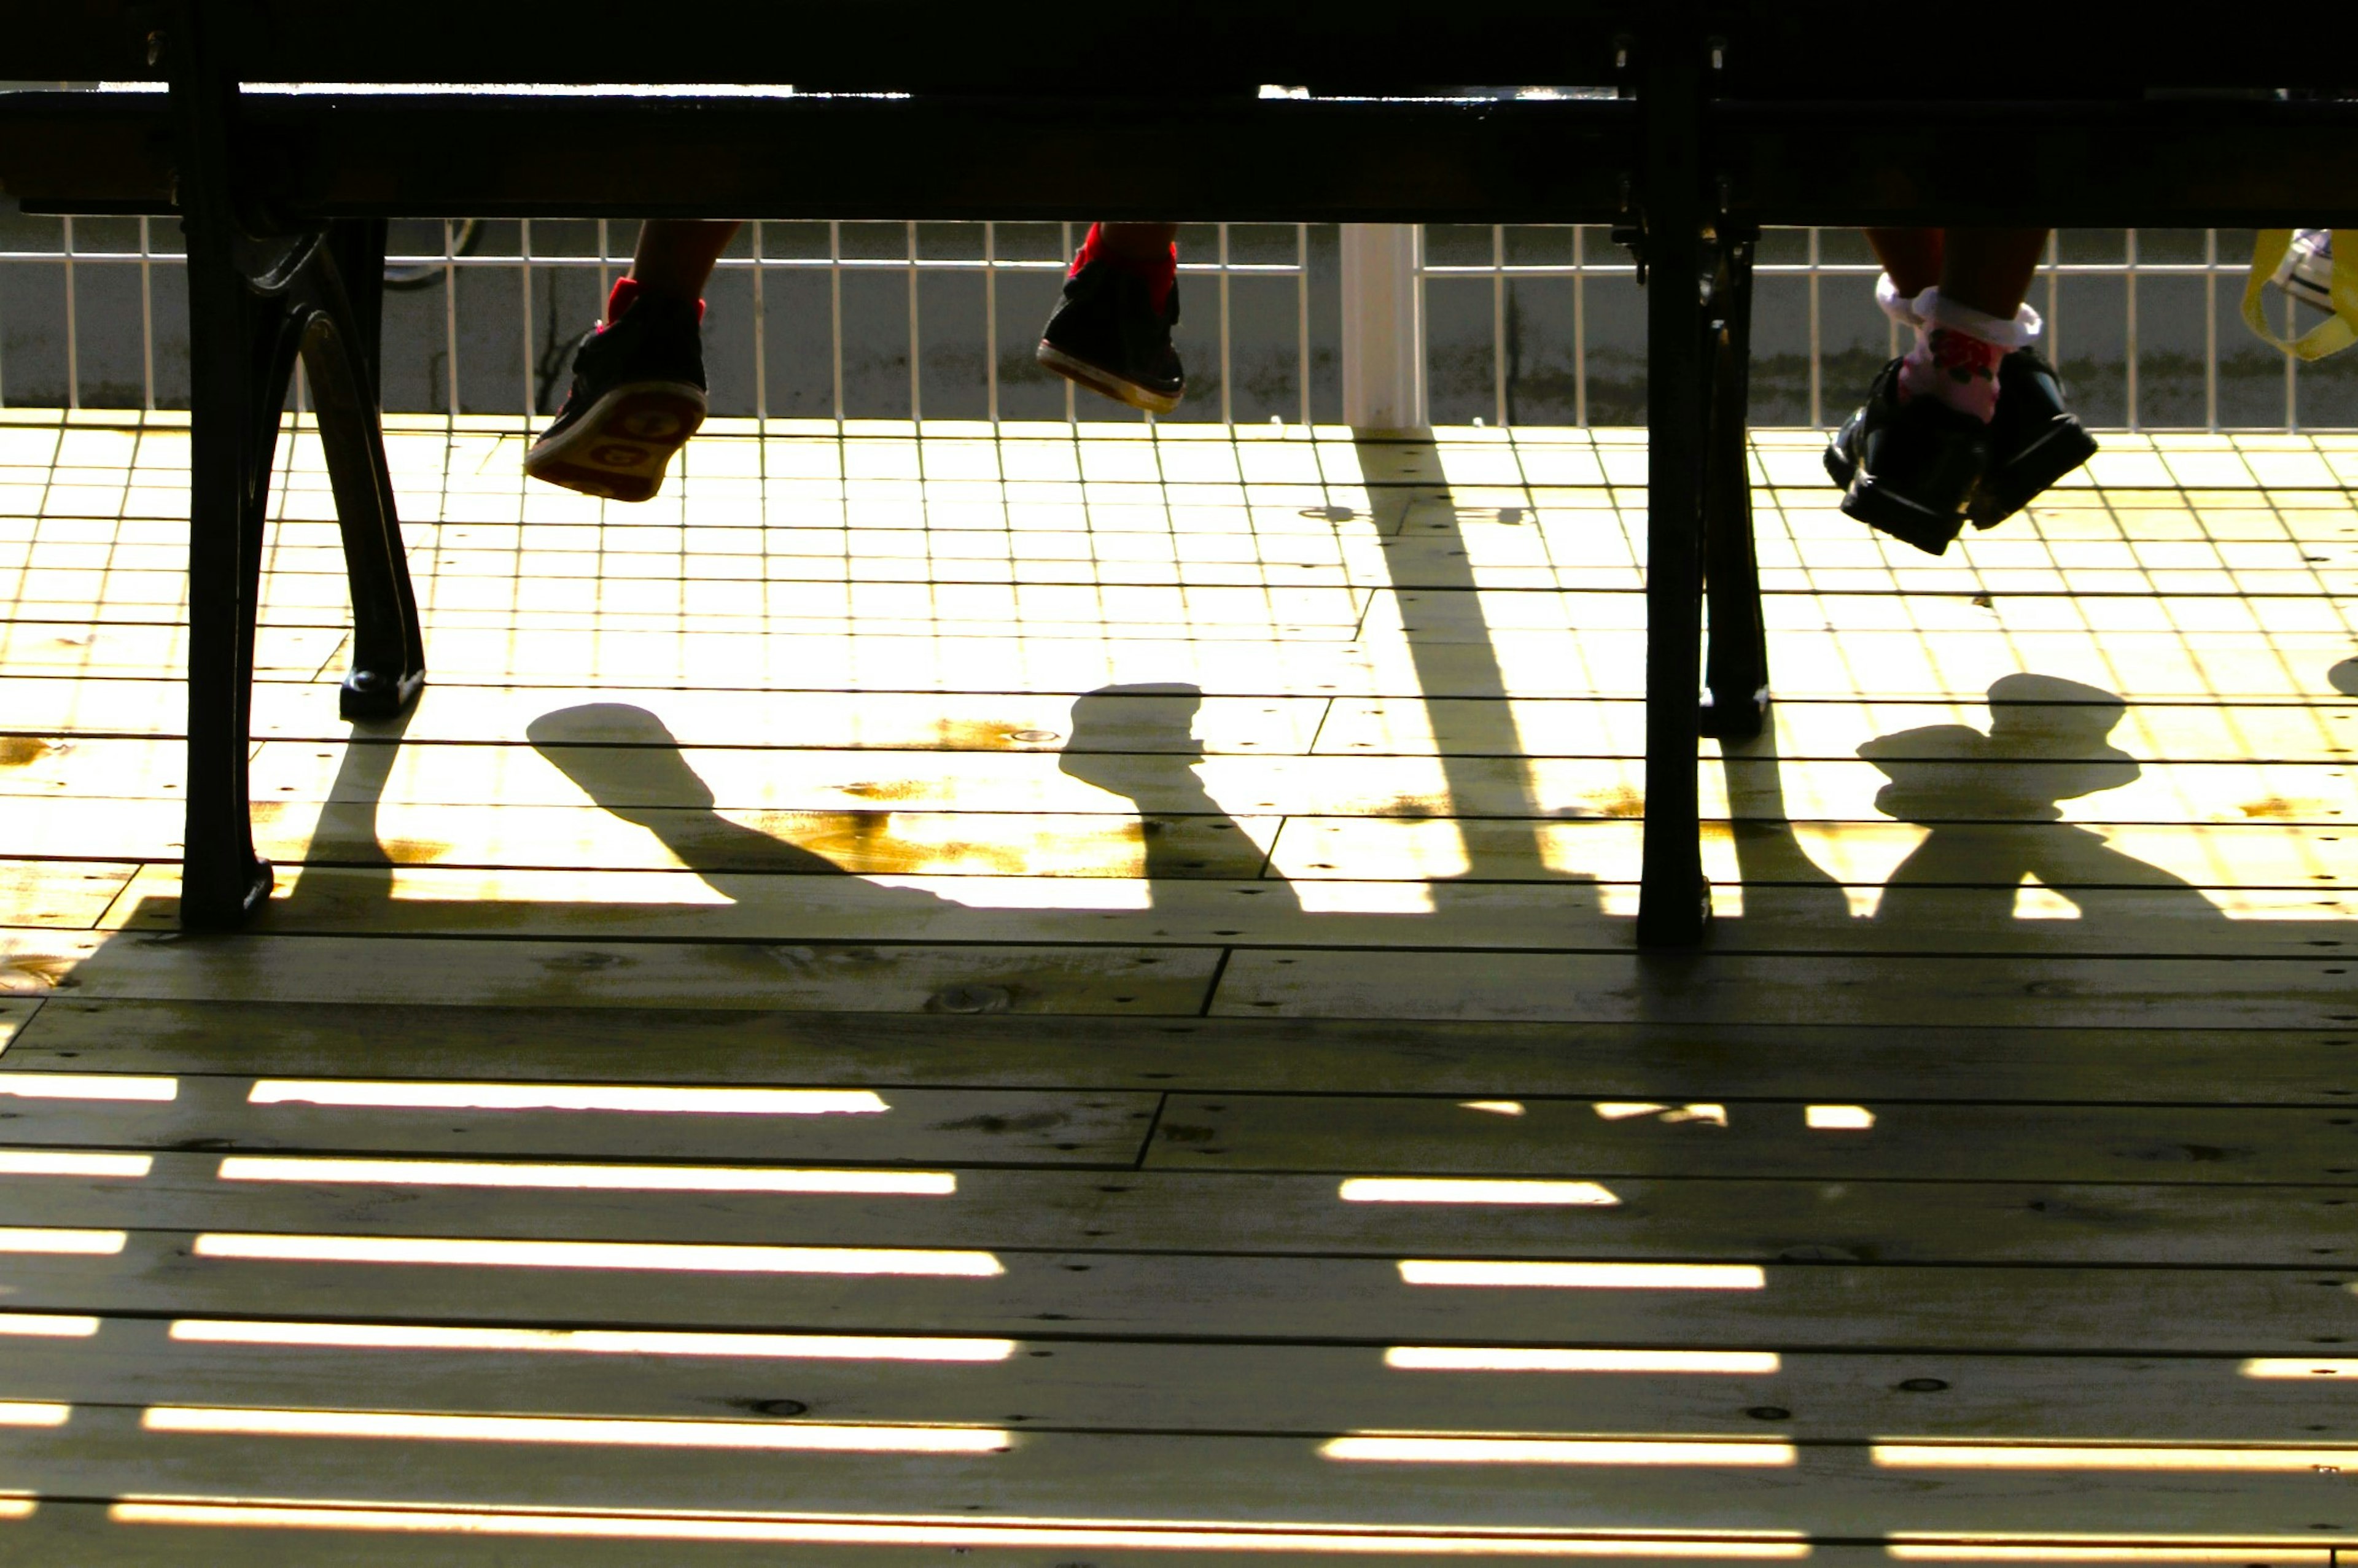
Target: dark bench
[[1728, 117]]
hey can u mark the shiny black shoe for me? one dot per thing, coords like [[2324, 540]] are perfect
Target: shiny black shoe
[[1108, 336], [1911, 469], [637, 396], [2034, 440]]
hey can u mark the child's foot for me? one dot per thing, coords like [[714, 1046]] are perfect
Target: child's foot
[[2034, 440], [1910, 468], [637, 396], [1111, 332]]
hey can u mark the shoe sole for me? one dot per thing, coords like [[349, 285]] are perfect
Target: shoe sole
[[1104, 383], [2006, 490], [1887, 513], [619, 450]]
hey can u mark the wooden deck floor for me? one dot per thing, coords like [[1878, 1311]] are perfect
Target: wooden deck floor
[[1069, 1002]]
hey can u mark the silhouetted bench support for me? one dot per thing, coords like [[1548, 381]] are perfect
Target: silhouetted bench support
[[257, 300]]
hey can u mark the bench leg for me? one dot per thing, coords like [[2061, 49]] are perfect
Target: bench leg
[[340, 352], [1674, 903], [242, 348], [1735, 674]]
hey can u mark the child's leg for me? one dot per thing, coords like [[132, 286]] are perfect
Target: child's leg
[[1112, 330], [1970, 318], [1911, 258], [638, 380], [675, 255]]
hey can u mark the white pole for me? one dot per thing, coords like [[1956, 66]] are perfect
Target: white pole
[[1384, 327]]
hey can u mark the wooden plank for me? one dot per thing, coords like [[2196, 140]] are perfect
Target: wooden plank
[[865, 841], [2082, 992], [1812, 1489], [1925, 1059], [2145, 665], [2319, 733], [1944, 1142], [1086, 1385], [1976, 782], [146, 651], [50, 706], [1096, 1295], [66, 894], [640, 1121], [1782, 1212], [2160, 857], [1185, 908], [267, 1537], [365, 971]]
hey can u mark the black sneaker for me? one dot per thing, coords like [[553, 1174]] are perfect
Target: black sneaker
[[1108, 336], [637, 396], [1908, 471], [2034, 440]]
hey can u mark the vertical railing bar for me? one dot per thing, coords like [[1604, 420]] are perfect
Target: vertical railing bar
[[835, 308], [761, 353], [146, 318], [2211, 330], [450, 319], [991, 321], [1301, 317], [1817, 333], [2129, 322], [1228, 400], [1072, 413], [73, 323], [605, 272], [916, 375], [524, 303], [1498, 324], [1580, 325]]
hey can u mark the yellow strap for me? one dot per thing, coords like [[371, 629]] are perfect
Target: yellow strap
[[2329, 336]]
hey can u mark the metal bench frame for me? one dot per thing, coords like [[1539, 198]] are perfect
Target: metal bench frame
[[1714, 130]]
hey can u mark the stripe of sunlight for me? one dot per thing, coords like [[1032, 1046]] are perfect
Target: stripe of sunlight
[[88, 1086], [2101, 1456], [53, 1162], [592, 1341], [674, 1256], [30, 1412], [394, 1095], [2286, 1367], [1484, 1358], [47, 1324], [1982, 1550], [1422, 1189], [1556, 1451], [1585, 1276], [35, 1238], [624, 1178], [921, 1530], [814, 1437]]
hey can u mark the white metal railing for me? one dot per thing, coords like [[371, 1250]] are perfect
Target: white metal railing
[[52, 330]]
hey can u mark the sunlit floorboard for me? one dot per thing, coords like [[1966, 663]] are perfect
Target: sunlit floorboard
[[1047, 998]]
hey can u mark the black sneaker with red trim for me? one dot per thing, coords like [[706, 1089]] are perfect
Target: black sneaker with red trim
[[1111, 332], [637, 396]]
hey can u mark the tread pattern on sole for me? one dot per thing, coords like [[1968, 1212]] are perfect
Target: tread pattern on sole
[[620, 449]]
